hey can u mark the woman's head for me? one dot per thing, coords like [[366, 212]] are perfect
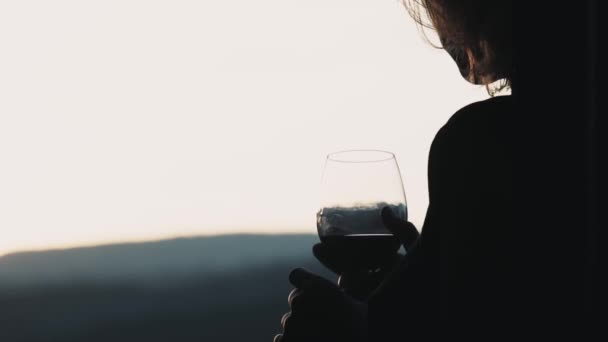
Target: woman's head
[[476, 33]]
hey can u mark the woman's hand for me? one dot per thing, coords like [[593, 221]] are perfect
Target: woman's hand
[[321, 311]]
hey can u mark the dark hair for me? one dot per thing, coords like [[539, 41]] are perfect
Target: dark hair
[[476, 33]]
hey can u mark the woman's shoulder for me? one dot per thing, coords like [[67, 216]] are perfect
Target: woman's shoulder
[[482, 114], [479, 133], [478, 121]]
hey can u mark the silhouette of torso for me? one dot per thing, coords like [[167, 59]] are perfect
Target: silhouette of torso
[[459, 269]]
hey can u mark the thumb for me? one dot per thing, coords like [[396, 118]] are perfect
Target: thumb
[[405, 231], [307, 281]]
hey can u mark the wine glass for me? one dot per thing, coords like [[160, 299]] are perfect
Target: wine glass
[[356, 186]]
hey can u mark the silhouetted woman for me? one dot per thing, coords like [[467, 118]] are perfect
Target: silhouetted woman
[[457, 270]]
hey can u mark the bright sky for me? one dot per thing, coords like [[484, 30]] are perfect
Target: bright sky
[[133, 120]]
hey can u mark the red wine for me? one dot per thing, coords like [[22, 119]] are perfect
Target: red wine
[[362, 251]]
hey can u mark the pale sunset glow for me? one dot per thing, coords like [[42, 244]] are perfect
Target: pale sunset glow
[[134, 120]]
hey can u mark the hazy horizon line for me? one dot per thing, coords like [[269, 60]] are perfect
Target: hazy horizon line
[[152, 240]]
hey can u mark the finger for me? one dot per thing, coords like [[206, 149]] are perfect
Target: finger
[[305, 304], [405, 231], [298, 301], [302, 329], [278, 338], [307, 281], [284, 319], [292, 295]]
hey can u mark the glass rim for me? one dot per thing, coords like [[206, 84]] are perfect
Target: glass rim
[[381, 156]]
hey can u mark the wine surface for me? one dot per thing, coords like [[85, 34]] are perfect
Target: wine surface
[[361, 219]]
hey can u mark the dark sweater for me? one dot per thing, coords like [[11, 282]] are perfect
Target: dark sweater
[[459, 269]]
